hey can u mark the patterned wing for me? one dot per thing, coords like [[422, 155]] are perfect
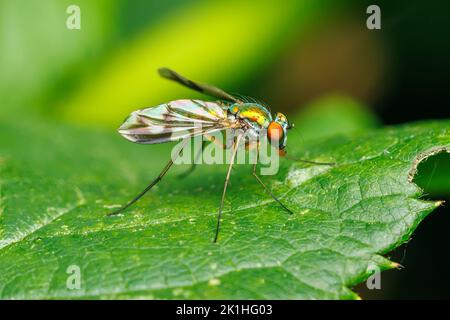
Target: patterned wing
[[174, 121]]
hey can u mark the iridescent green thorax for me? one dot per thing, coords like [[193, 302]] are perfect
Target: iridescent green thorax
[[260, 118], [253, 113]]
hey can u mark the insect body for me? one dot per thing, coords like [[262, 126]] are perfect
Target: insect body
[[181, 119], [184, 119]]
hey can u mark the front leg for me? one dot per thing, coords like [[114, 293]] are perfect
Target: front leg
[[268, 190]]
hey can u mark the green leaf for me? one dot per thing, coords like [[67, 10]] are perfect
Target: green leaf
[[57, 183]]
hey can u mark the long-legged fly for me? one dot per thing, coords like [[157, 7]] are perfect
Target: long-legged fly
[[181, 120]]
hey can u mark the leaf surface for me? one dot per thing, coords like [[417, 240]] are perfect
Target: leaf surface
[[57, 183]]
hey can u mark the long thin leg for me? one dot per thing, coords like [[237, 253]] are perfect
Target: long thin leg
[[152, 184], [194, 164], [227, 179], [268, 190]]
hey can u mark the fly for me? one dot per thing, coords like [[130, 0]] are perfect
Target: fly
[[181, 120]]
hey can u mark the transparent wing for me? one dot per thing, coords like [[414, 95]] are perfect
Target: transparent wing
[[200, 87], [174, 121]]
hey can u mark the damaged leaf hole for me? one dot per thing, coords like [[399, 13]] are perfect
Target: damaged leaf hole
[[431, 173], [424, 257]]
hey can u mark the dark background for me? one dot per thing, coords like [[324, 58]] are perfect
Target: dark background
[[420, 41]]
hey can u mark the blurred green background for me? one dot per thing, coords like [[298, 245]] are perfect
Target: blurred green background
[[314, 60]]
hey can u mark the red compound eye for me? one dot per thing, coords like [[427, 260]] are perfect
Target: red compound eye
[[275, 131]]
